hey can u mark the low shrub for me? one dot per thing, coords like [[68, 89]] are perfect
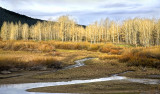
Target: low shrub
[[111, 49], [144, 62], [46, 48], [145, 57], [93, 47], [125, 57], [105, 50], [150, 53], [114, 51]]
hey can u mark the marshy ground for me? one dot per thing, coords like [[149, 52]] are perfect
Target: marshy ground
[[108, 61]]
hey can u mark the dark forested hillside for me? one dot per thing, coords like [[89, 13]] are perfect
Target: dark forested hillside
[[9, 16]]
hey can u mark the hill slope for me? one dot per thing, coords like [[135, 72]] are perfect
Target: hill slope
[[9, 16]]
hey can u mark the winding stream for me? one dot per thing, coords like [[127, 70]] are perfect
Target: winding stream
[[21, 88]]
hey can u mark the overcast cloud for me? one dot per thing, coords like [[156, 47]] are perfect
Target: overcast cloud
[[84, 11]]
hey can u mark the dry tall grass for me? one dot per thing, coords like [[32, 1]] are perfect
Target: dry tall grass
[[48, 46], [134, 56], [146, 57], [26, 60], [26, 46], [111, 49]]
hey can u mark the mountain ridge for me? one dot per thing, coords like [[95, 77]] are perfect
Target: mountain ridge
[[10, 16]]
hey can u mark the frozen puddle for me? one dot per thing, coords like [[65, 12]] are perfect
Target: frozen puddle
[[21, 88]]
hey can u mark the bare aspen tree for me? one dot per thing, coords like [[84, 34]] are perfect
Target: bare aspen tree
[[16, 32], [137, 31], [126, 32], [106, 33], [134, 32], [72, 31], [39, 31], [19, 30], [158, 33], [25, 30], [112, 32], [117, 31], [4, 31], [12, 31]]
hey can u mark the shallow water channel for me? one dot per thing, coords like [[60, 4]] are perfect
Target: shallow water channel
[[21, 88]]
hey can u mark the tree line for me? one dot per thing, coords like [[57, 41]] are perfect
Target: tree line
[[137, 31]]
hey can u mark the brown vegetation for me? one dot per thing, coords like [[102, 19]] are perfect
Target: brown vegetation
[[26, 46], [49, 46], [26, 60], [25, 55], [140, 56], [111, 49], [19, 63], [145, 57]]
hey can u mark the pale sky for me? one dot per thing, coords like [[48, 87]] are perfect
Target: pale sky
[[84, 11]]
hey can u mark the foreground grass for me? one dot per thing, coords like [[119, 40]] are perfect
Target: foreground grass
[[97, 68], [140, 72], [67, 57], [140, 56], [111, 87], [109, 59], [25, 59], [94, 69]]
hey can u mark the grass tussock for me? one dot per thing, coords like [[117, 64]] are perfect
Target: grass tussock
[[145, 57], [111, 49]]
